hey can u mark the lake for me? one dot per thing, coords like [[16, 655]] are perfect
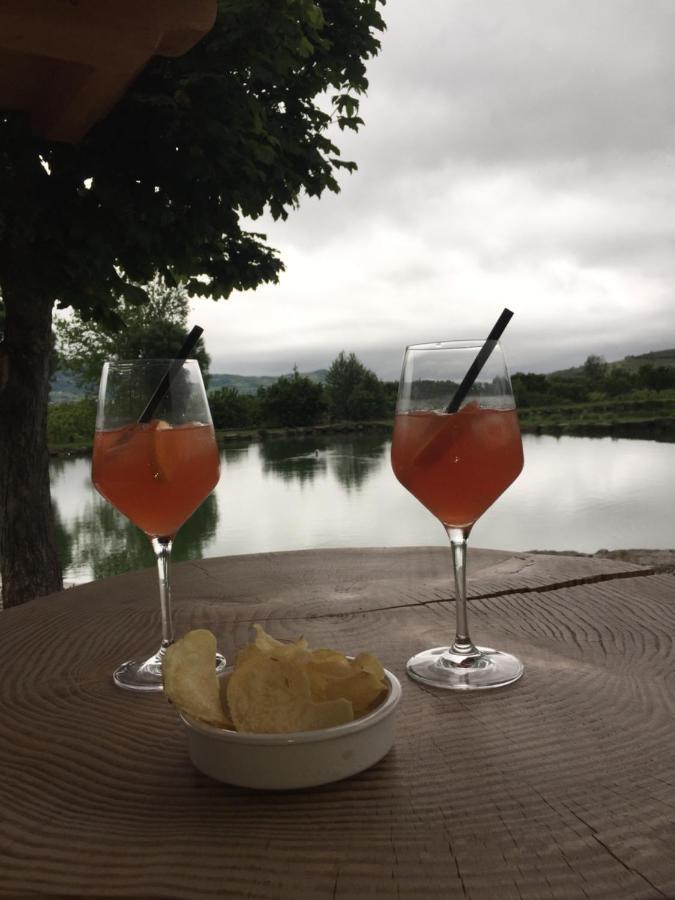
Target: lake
[[574, 493]]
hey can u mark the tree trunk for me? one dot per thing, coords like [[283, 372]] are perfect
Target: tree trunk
[[29, 562]]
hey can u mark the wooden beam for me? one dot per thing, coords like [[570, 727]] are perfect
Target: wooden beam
[[67, 62]]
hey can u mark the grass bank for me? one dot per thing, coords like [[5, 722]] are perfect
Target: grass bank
[[71, 425], [653, 419], [229, 435], [68, 442]]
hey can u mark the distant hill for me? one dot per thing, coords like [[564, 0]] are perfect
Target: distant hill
[[65, 389], [249, 384], [633, 363], [654, 358]]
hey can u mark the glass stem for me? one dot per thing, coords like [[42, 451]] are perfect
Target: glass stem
[[162, 547], [463, 645]]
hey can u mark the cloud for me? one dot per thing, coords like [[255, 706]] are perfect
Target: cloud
[[519, 155], [525, 81]]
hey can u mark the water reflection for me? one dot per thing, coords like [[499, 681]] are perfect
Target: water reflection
[[105, 543], [232, 453], [96, 541], [294, 458], [350, 459], [358, 459], [64, 540], [339, 491]]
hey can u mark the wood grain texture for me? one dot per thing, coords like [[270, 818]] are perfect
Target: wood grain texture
[[560, 786]]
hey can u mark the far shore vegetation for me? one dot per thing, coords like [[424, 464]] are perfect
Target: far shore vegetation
[[631, 397]]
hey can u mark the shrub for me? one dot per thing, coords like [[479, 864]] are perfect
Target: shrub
[[230, 409], [71, 423], [291, 402]]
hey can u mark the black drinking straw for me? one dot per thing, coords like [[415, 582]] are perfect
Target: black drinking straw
[[480, 360], [174, 367]]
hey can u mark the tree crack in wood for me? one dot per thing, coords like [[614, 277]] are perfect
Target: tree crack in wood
[[205, 571], [571, 582], [451, 849], [611, 852], [459, 875], [491, 595]]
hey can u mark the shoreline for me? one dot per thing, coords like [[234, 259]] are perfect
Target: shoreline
[[224, 437], [660, 429]]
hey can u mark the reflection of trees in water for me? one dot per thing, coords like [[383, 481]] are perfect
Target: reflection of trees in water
[[197, 531], [294, 458], [356, 459], [352, 459], [98, 541], [64, 541], [103, 541], [232, 453], [64, 538], [57, 464], [109, 544]]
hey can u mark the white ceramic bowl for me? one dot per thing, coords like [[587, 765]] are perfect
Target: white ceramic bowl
[[298, 760]]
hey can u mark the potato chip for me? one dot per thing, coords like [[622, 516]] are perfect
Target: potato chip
[[366, 662], [222, 688], [274, 687], [361, 688], [265, 645], [365, 691], [190, 680], [328, 663], [268, 644], [269, 693], [360, 680], [327, 714]]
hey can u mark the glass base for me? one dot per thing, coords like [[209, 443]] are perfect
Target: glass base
[[146, 675], [442, 668]]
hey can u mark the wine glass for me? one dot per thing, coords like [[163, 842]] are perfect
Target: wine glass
[[155, 458], [456, 463]]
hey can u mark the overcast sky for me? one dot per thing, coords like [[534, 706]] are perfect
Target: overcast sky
[[516, 154]]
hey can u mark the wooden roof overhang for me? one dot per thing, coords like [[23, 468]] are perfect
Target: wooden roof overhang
[[68, 62]]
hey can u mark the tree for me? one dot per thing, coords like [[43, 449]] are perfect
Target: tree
[[619, 381], [530, 389], [595, 370], [367, 400], [231, 409], [164, 184], [71, 423], [153, 330], [568, 389], [352, 391], [390, 397], [291, 401], [657, 378]]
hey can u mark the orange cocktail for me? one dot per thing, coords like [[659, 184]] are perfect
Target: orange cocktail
[[457, 464], [155, 459], [156, 474], [456, 447]]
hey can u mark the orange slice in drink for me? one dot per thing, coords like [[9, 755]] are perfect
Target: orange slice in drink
[[162, 450]]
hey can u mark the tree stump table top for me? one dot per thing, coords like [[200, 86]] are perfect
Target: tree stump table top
[[559, 786]]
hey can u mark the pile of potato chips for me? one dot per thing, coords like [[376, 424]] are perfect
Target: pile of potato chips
[[274, 687]]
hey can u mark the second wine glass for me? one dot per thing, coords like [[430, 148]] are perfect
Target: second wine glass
[[155, 471], [457, 464]]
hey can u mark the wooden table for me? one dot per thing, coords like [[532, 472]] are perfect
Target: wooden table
[[560, 786]]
